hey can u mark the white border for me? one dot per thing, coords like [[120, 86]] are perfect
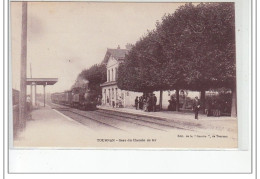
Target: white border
[[143, 161]]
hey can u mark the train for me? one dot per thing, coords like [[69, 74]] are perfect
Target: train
[[80, 97]]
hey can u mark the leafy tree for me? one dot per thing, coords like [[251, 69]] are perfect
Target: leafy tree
[[141, 70], [201, 41], [95, 75], [193, 48]]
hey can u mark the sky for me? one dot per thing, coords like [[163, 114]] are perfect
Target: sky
[[63, 38]]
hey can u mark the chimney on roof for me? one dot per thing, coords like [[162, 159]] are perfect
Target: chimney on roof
[[118, 47]]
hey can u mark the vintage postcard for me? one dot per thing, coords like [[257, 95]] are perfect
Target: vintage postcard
[[106, 75]]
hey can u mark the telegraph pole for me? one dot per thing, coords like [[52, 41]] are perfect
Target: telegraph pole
[[22, 96]]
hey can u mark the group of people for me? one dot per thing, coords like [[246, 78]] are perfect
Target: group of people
[[172, 103], [146, 102]]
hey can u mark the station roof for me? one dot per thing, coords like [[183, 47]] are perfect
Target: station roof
[[41, 81], [116, 53]]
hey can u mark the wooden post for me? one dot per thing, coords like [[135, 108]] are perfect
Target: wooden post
[[22, 96]]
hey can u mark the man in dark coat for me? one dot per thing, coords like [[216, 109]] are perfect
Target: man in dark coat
[[154, 102], [136, 102], [149, 102], [196, 107], [141, 102]]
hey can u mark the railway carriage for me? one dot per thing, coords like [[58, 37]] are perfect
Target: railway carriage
[[79, 97], [68, 98]]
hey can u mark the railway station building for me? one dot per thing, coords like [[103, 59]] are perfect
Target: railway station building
[[111, 94]]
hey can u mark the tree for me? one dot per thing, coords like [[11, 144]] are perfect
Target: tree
[[95, 75], [141, 70], [193, 48], [201, 41]]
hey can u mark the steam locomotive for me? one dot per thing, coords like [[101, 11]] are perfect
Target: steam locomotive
[[79, 97]]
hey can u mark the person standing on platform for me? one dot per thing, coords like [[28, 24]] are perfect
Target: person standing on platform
[[113, 104], [136, 102], [149, 103], [141, 102], [196, 107], [145, 104], [154, 102]]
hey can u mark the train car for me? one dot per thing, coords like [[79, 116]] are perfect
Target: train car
[[62, 98], [54, 98], [68, 98], [58, 98], [79, 97]]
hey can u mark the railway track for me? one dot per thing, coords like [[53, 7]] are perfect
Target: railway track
[[121, 121], [104, 120], [117, 120], [165, 126], [80, 118], [170, 124]]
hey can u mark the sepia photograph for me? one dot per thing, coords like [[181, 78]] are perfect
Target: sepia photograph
[[123, 75]]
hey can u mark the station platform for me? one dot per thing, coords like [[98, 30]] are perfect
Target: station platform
[[50, 128], [221, 123], [167, 114]]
